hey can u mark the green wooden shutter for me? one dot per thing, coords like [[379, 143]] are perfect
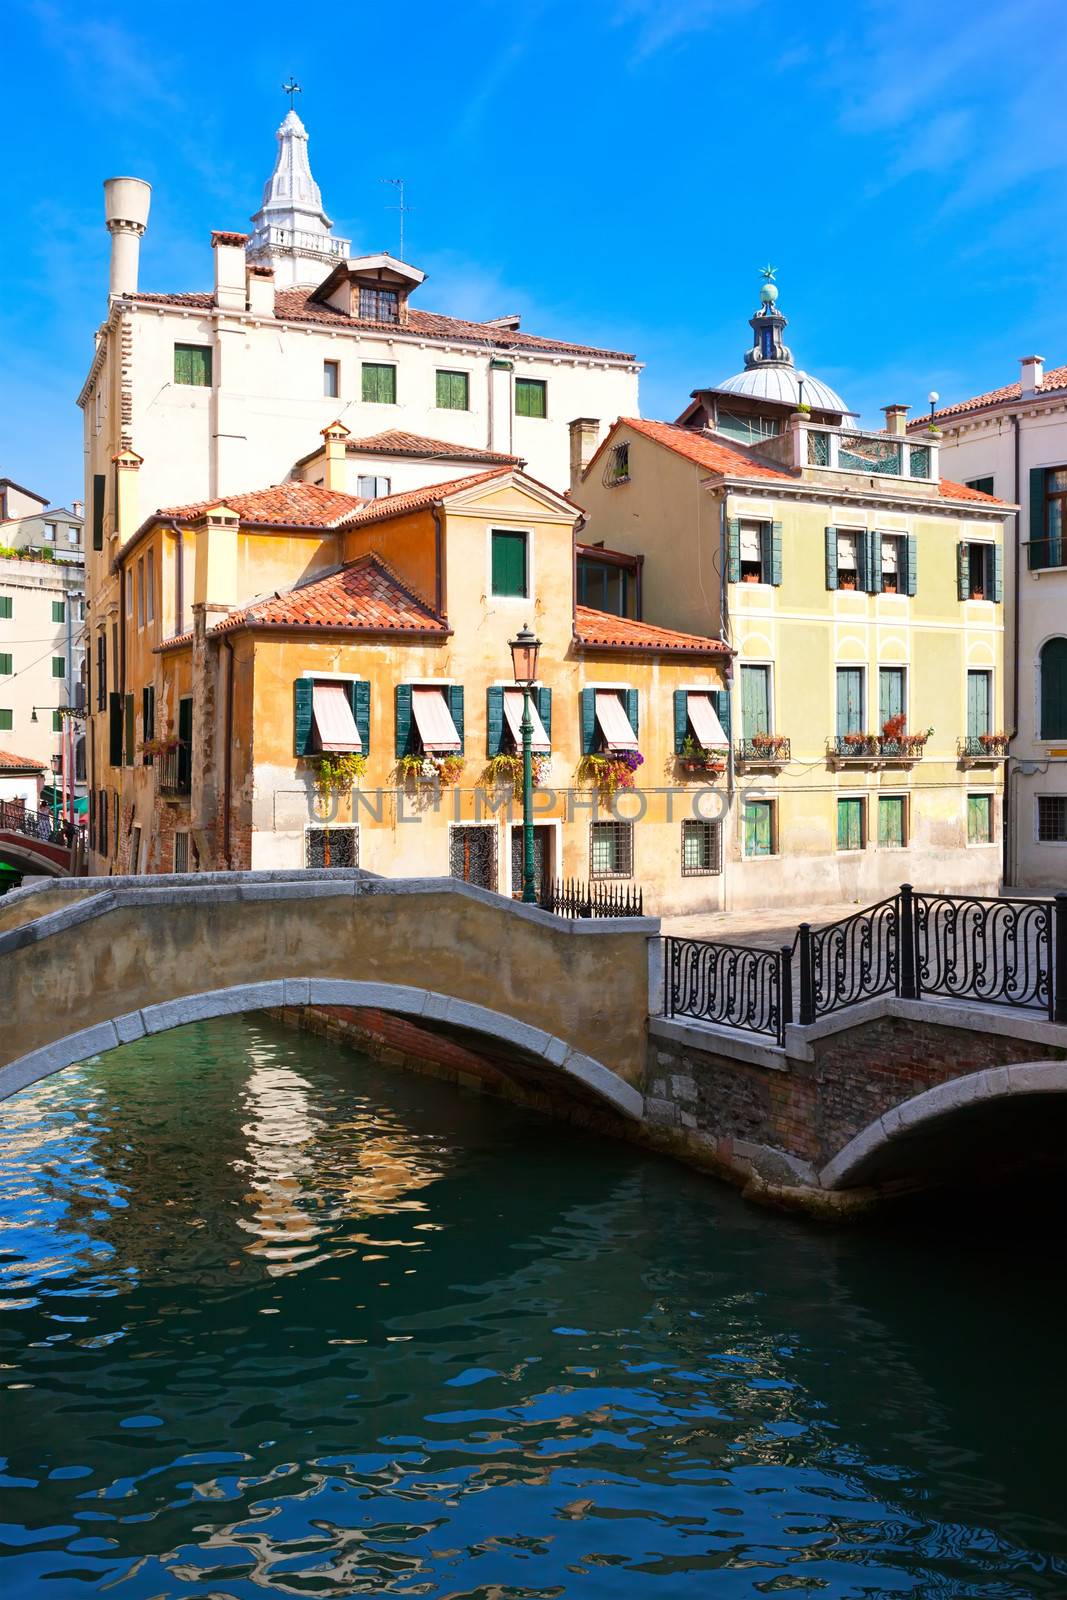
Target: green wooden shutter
[[303, 691], [776, 553], [863, 549], [588, 709], [494, 720], [148, 720], [891, 820], [5, 607], [890, 694], [403, 719], [681, 718], [720, 699], [59, 667], [444, 389], [99, 494], [359, 694], [455, 705], [1053, 665], [509, 563], [755, 701], [629, 705], [733, 570], [963, 570], [59, 610], [544, 707], [874, 561], [831, 558], [850, 824], [1038, 528], [849, 700], [5, 664], [114, 707], [998, 574], [911, 558], [131, 737], [979, 707]]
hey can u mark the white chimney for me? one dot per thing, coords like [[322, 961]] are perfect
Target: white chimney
[[261, 291], [1033, 371], [585, 436], [230, 291], [126, 202]]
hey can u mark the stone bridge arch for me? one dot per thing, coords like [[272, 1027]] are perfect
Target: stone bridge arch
[[87, 965], [957, 1117]]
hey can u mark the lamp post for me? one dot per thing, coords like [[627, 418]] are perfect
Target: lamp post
[[525, 649], [57, 768]]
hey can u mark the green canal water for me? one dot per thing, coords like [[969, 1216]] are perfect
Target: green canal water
[[276, 1320]]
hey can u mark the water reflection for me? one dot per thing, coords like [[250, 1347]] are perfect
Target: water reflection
[[280, 1321]]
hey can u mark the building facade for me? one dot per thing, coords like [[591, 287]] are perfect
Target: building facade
[[309, 678], [1012, 442], [42, 657], [863, 596]]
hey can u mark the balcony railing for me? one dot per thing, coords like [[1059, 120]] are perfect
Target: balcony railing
[[172, 775], [861, 747], [984, 747], [765, 750], [1046, 553]]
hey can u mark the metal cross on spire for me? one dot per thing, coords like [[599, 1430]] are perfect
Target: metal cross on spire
[[291, 88], [398, 184]]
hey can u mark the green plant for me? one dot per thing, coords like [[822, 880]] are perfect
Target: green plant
[[443, 769], [339, 772]]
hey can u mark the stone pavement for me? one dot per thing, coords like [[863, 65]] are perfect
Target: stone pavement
[[768, 929]]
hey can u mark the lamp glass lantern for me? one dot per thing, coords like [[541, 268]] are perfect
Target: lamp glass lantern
[[525, 652]]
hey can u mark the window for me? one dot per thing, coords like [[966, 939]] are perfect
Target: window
[[618, 465], [757, 822], [894, 564], [979, 819], [755, 551], [1048, 517], [140, 593], [850, 820], [511, 709], [611, 850], [509, 561], [848, 560], [374, 488], [192, 365], [101, 671], [701, 719], [979, 704], [892, 821], [850, 715], [983, 485], [130, 731], [59, 667], [701, 848], [181, 852], [135, 850], [379, 383], [6, 608], [755, 701], [429, 720], [6, 668], [608, 586], [1052, 818], [150, 586], [892, 699], [128, 576], [57, 722], [50, 532], [979, 571], [331, 379], [1052, 665], [472, 855], [609, 720], [379, 305], [99, 499], [114, 729], [101, 813], [531, 397], [331, 847], [74, 534], [6, 721], [148, 720], [454, 391], [746, 430], [59, 611]]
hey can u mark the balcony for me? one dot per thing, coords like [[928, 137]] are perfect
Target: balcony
[[1046, 555], [875, 750], [983, 750], [866, 452], [764, 750], [173, 777]]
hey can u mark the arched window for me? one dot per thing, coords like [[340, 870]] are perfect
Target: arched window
[[1053, 664]]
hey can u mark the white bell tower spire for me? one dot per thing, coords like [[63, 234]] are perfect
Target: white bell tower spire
[[292, 232]]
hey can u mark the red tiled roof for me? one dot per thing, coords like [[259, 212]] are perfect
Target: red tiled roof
[[395, 442], [392, 505], [294, 305], [602, 630], [13, 763], [285, 505], [1054, 380], [364, 596], [961, 491], [716, 455]]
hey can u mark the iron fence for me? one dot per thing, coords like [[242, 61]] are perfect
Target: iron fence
[[570, 898], [998, 952], [848, 961], [734, 985], [17, 817]]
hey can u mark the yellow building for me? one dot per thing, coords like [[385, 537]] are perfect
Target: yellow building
[[863, 596], [265, 641]]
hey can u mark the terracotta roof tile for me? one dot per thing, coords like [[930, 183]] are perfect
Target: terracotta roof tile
[[392, 505], [395, 442], [1055, 379], [961, 491], [294, 305], [285, 505], [12, 763], [716, 455], [602, 630]]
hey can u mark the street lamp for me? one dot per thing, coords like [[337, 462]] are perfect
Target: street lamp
[[57, 770], [525, 649]]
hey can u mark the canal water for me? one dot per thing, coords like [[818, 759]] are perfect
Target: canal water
[[276, 1320]]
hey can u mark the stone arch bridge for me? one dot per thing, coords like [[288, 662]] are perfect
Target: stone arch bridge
[[849, 1107]]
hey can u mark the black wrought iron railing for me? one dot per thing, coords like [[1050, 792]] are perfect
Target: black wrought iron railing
[[988, 951], [984, 747], [172, 773], [770, 749], [17, 817], [876, 747], [570, 898], [733, 985]]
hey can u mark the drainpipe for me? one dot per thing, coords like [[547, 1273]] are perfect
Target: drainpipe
[[179, 581], [438, 561], [226, 758], [1008, 845]]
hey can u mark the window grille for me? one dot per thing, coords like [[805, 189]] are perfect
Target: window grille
[[1052, 818], [611, 849], [701, 848], [861, 452], [617, 469], [181, 852], [472, 856], [919, 464], [331, 847], [818, 449]]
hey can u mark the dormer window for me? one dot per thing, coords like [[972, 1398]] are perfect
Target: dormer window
[[379, 305]]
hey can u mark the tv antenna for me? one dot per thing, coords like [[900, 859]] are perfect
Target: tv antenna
[[398, 185], [291, 88]]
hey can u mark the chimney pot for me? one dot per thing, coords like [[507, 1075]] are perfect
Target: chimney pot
[[126, 203], [229, 248], [585, 436], [1032, 373], [896, 419]]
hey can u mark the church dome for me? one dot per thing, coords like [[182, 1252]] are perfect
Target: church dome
[[770, 372]]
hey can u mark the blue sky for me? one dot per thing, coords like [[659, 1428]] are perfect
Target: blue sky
[[616, 170]]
